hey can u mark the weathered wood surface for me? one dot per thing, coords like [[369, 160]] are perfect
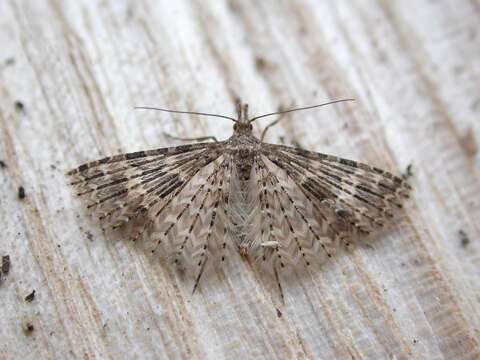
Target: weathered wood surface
[[79, 67]]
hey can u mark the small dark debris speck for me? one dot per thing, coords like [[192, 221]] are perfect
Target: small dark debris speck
[[10, 61], [408, 172], [261, 63], [415, 341], [28, 328], [2, 164], [19, 106], [89, 235], [5, 264], [464, 239], [21, 192], [279, 313], [468, 140], [30, 297]]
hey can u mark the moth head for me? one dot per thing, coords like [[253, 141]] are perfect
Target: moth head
[[242, 127]]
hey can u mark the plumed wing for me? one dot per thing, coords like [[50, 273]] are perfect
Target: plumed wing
[[121, 188], [194, 231], [289, 228], [174, 198], [361, 195], [318, 199]]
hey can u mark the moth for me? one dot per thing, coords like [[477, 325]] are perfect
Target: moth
[[273, 204]]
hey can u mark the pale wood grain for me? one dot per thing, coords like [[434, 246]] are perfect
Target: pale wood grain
[[79, 67]]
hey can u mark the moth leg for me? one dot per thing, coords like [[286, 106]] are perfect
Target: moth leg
[[272, 244], [273, 123], [201, 138], [264, 132]]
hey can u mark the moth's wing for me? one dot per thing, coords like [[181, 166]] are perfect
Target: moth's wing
[[284, 230], [319, 199], [194, 226], [131, 188], [174, 198], [272, 221], [195, 231]]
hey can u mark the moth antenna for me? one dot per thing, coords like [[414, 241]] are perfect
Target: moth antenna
[[298, 109], [185, 112]]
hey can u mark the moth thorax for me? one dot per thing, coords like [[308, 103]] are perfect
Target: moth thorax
[[244, 163]]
